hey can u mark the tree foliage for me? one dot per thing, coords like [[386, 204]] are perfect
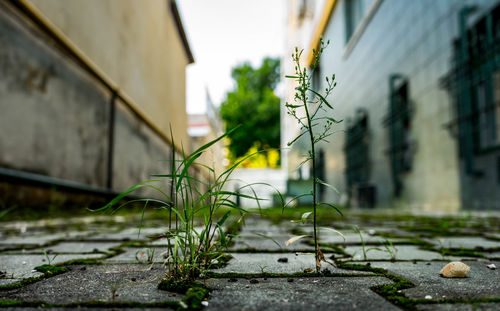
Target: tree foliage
[[253, 104]]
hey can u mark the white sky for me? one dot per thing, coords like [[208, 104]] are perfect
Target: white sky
[[225, 33]]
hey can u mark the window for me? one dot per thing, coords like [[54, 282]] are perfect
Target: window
[[356, 150], [475, 85], [398, 122], [353, 15]]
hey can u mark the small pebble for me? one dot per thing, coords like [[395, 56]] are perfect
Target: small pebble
[[455, 269], [203, 303], [254, 281], [368, 264], [283, 259], [83, 268], [428, 264], [332, 257], [232, 280], [133, 279], [428, 297], [491, 266], [290, 280]]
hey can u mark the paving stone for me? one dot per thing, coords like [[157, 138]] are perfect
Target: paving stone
[[134, 283], [252, 263], [353, 238], [262, 243], [33, 239], [491, 255], [480, 282], [129, 256], [89, 309], [465, 242], [21, 266], [460, 307], [9, 281], [404, 252], [493, 235], [73, 247], [130, 234], [336, 293], [253, 224]]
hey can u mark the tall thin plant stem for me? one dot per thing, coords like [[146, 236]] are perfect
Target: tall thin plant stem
[[312, 102]]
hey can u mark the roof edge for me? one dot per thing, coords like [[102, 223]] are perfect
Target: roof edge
[[320, 29], [180, 28]]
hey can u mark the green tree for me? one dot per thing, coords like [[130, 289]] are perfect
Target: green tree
[[253, 104]]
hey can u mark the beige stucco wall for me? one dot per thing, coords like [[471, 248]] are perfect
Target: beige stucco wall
[[137, 45]]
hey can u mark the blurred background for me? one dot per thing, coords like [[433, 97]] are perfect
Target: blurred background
[[97, 95]]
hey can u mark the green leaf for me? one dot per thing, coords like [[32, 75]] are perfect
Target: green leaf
[[294, 239], [332, 206], [327, 185], [224, 218], [269, 238], [223, 241], [124, 194], [334, 231], [334, 120], [322, 99], [291, 77], [304, 217]]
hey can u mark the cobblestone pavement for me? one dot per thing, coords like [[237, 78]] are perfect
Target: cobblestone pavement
[[393, 263]]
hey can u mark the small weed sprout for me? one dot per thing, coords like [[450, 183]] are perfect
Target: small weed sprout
[[356, 229], [191, 247], [114, 289], [390, 249], [363, 246], [49, 260], [262, 268], [145, 255], [317, 125]]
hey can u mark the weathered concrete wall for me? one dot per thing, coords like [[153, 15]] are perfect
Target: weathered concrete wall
[[55, 116], [138, 153], [136, 44]]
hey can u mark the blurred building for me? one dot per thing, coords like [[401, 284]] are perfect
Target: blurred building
[[88, 91], [204, 128], [419, 92]]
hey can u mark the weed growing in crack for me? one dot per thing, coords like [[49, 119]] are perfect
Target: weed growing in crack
[[145, 255], [114, 289], [192, 247], [312, 112], [363, 247], [390, 249], [49, 260]]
